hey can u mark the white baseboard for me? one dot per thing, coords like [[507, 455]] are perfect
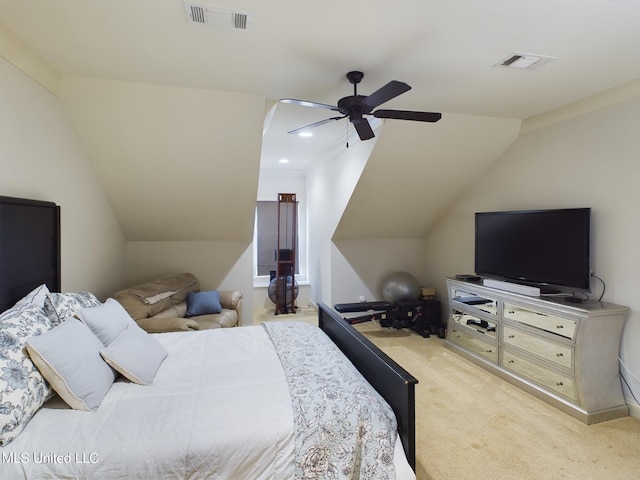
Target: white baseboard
[[634, 409]]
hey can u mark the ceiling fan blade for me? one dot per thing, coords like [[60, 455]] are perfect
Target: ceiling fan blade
[[363, 127], [305, 103], [384, 94], [316, 124], [408, 115]]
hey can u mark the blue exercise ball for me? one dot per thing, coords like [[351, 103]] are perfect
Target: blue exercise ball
[[399, 286]]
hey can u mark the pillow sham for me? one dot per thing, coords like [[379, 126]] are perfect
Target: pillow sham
[[23, 389], [203, 303], [60, 306], [79, 374], [37, 296], [107, 320], [135, 354]]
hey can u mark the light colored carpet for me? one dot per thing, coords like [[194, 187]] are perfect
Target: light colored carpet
[[303, 314], [472, 425]]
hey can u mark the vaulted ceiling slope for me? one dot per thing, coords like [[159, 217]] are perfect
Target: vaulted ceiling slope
[[175, 163], [417, 170]]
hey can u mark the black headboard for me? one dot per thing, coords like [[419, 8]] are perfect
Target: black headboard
[[29, 248]]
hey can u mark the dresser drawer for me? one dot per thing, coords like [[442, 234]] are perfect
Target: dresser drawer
[[474, 301], [565, 327], [558, 382], [474, 344], [548, 349], [471, 321]]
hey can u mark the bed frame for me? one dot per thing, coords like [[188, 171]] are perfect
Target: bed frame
[[29, 248], [393, 383], [30, 256]]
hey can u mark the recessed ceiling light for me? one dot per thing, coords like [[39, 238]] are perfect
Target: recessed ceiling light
[[283, 160], [306, 134]]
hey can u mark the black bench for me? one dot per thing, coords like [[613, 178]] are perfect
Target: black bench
[[421, 316]]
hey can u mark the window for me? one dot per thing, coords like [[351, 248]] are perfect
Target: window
[[266, 240]]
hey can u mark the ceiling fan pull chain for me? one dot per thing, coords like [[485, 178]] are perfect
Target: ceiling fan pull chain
[[347, 134]]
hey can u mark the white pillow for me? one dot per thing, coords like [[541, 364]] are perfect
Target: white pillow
[[106, 321], [135, 354], [69, 359]]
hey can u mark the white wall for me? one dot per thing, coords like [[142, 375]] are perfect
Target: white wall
[[273, 182], [360, 266], [217, 265], [329, 187], [343, 270], [41, 158], [587, 161], [180, 167]]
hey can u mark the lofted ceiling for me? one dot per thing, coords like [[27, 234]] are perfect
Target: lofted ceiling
[[448, 51]]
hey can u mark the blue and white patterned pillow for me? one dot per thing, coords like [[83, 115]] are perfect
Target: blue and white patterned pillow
[[23, 389], [35, 297], [60, 306]]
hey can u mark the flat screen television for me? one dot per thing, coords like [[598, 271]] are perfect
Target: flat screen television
[[535, 247]]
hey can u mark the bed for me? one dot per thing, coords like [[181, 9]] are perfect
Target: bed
[[251, 402]]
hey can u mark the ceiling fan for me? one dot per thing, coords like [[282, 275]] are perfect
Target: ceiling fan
[[356, 107]]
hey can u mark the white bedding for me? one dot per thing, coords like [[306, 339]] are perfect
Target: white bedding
[[200, 419]]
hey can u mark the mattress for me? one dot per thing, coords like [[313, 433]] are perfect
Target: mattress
[[220, 407]]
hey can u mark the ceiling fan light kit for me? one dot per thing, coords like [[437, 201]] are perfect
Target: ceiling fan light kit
[[356, 107]]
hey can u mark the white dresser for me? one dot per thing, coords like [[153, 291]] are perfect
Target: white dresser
[[563, 353]]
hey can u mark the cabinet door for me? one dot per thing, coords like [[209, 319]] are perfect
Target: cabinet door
[[474, 344], [564, 327], [550, 379], [553, 351]]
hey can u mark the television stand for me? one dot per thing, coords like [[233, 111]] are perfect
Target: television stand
[[549, 291], [572, 299], [563, 353]]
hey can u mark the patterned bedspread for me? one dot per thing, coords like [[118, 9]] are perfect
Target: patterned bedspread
[[344, 429]]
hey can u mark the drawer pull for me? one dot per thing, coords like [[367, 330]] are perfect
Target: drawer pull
[[512, 336], [559, 384], [511, 361], [489, 351], [559, 326], [559, 355]]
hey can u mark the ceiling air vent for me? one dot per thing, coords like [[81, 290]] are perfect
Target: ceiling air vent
[[216, 17], [525, 61]]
